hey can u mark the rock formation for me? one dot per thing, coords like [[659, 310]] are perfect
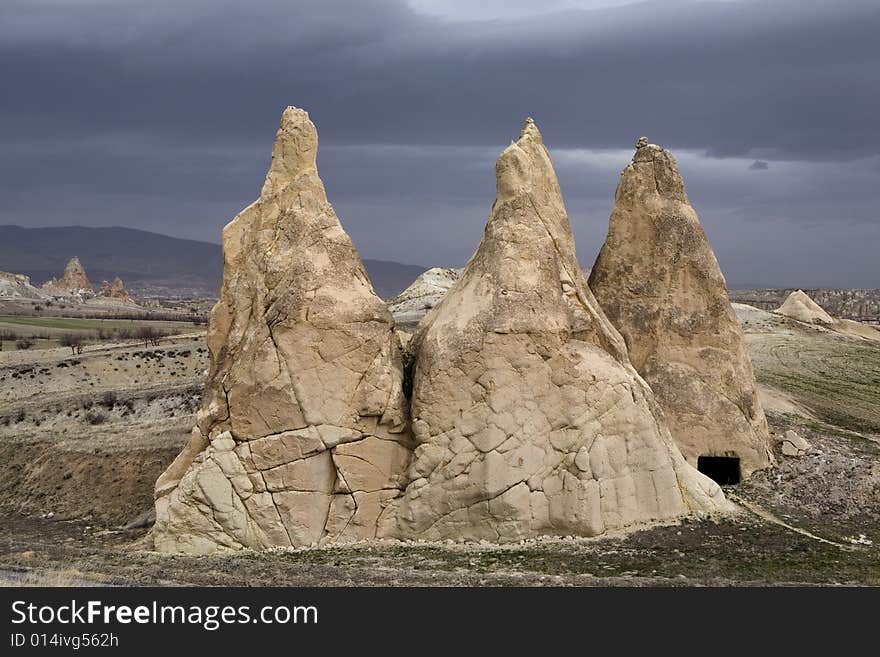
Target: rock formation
[[115, 290], [73, 283], [18, 286], [659, 282], [301, 437], [802, 308], [410, 306], [528, 416]]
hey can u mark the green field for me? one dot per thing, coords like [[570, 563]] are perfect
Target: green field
[[45, 331], [837, 378]]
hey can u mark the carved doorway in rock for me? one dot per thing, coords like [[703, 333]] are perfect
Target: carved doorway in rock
[[724, 470]]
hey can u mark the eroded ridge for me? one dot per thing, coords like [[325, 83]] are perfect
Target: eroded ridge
[[658, 280], [528, 416], [302, 435]]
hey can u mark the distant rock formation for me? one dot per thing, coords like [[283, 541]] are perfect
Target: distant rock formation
[[410, 306], [18, 286], [301, 437], [659, 282], [802, 308], [528, 416], [73, 283], [860, 305], [115, 290]]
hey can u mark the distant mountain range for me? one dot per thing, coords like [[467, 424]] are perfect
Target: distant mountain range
[[148, 263]]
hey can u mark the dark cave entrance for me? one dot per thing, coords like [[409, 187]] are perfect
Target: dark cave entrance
[[724, 470]]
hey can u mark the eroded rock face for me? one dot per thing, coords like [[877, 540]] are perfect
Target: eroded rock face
[[18, 286], [302, 435], [73, 283], [801, 307], [657, 279], [410, 306], [528, 416], [115, 290]]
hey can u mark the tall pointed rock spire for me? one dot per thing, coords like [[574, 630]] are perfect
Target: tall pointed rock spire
[[301, 437], [659, 282]]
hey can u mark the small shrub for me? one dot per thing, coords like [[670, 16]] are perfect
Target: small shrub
[[94, 418], [109, 399], [24, 343], [74, 341]]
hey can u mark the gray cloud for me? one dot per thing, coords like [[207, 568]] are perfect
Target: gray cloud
[[759, 165], [160, 115]]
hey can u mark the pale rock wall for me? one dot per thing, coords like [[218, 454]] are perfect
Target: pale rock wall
[[302, 435], [528, 416], [658, 280]]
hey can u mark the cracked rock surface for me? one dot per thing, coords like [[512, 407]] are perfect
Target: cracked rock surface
[[657, 279], [302, 434], [528, 416]]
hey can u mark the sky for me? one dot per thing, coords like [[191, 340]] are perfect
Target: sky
[[160, 115]]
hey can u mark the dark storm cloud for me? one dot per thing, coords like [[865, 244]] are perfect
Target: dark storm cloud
[[161, 115]]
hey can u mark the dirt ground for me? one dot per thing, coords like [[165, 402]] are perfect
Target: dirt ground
[[70, 483]]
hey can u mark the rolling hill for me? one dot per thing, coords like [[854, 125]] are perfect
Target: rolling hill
[[149, 263]]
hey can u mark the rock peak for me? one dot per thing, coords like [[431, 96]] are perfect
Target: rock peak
[[530, 129], [302, 435], [73, 282], [653, 171], [295, 150], [525, 166], [657, 273]]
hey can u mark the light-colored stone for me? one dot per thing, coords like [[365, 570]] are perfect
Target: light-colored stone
[[520, 346], [657, 279], [116, 291], [73, 283], [302, 434], [411, 305], [18, 286], [801, 307], [793, 444]]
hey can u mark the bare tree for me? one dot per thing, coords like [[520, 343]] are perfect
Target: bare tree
[[150, 335], [74, 341]]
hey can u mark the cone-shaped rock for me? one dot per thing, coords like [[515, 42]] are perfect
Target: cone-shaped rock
[[528, 416], [73, 282], [801, 307], [299, 435], [657, 279]]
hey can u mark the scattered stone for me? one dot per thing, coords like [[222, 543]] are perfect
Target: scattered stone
[[658, 280], [145, 519], [792, 444]]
